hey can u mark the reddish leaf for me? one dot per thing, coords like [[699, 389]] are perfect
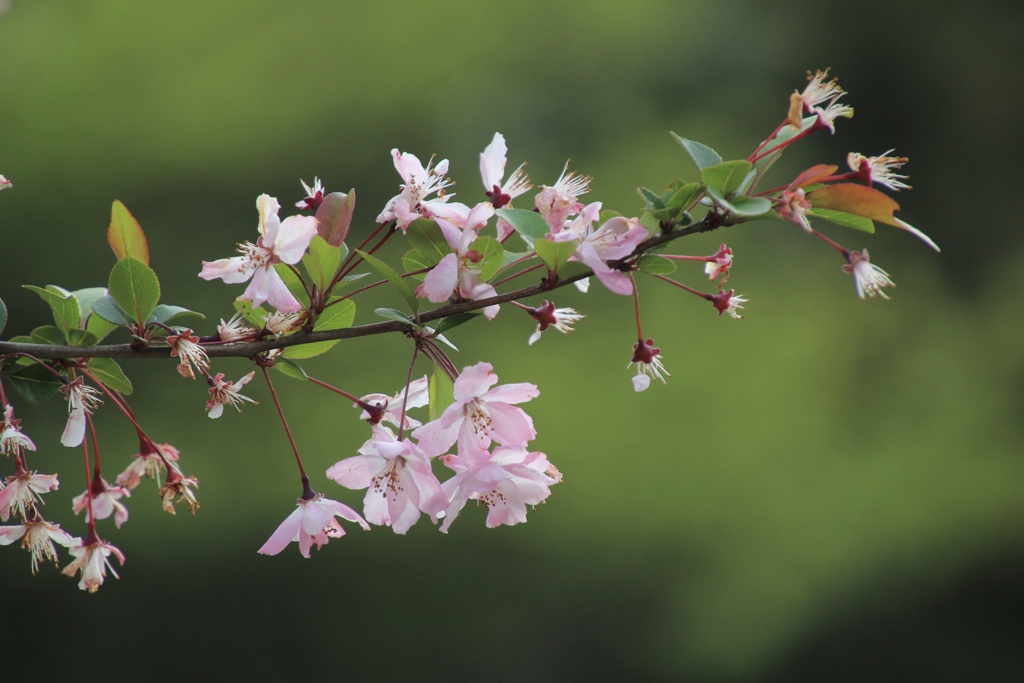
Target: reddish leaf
[[334, 216], [125, 235], [812, 175], [864, 201]]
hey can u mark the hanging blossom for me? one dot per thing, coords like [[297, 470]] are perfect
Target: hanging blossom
[[184, 346], [314, 196], [148, 462], [414, 200], [227, 393], [92, 558], [280, 242], [37, 536], [458, 273], [23, 491], [506, 481], [82, 400], [719, 264], [106, 501], [795, 207], [12, 439], [546, 315], [177, 489], [728, 302], [311, 523], [647, 358], [616, 238], [481, 413], [398, 481], [880, 169], [868, 278], [390, 407], [557, 202]]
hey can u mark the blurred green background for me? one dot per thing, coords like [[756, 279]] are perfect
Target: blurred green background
[[829, 489]]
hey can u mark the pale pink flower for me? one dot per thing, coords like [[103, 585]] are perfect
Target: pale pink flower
[[148, 462], [234, 329], [880, 169], [37, 536], [224, 392], [184, 346], [458, 273], [4, 183], [23, 491], [719, 264], [398, 481], [794, 208], [391, 406], [647, 358], [106, 501], [868, 278], [177, 489], [506, 481], [728, 302], [312, 522], [546, 315], [314, 196], [12, 439], [92, 558], [280, 323], [615, 239], [414, 200], [481, 413], [82, 400], [557, 202], [492, 171], [280, 242]]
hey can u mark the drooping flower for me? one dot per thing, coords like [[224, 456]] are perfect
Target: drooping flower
[[224, 392], [459, 273], [37, 536], [492, 171], [106, 501], [314, 196], [557, 202], [23, 491], [398, 481], [817, 93], [391, 406], [719, 264], [414, 200], [868, 278], [481, 413], [794, 208], [880, 169], [546, 315], [506, 480], [92, 558], [280, 242], [647, 358], [178, 488], [312, 522], [728, 302], [148, 462], [12, 439], [184, 346], [82, 400]]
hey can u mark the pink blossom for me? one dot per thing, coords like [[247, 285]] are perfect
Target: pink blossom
[[398, 481], [481, 413], [417, 396], [314, 196], [184, 346], [106, 501], [719, 264], [92, 558], [82, 400], [459, 273], [414, 200], [615, 239], [506, 481], [148, 462], [647, 358], [4, 183], [12, 439], [795, 208], [312, 522], [224, 392], [868, 278], [557, 202], [546, 315], [23, 491], [37, 536], [280, 242], [492, 171]]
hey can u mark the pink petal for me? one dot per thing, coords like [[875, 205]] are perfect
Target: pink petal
[[492, 162], [230, 270], [268, 207], [285, 534], [440, 282], [510, 426], [74, 431], [474, 381], [512, 393], [294, 238], [356, 472]]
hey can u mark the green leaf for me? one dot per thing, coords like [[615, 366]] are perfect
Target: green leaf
[[492, 254], [293, 283], [86, 298], [66, 312], [555, 254], [49, 335], [656, 265], [726, 177], [426, 237], [751, 206], [511, 257], [99, 327], [654, 201], [322, 261], [256, 317], [455, 320], [35, 383], [82, 338], [530, 225], [135, 288], [686, 196], [847, 220], [334, 317], [290, 368], [442, 393], [125, 235], [334, 216], [3, 316], [393, 277], [397, 316], [164, 313], [416, 260], [107, 309], [702, 155], [109, 372]]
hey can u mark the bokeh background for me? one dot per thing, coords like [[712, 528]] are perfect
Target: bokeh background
[[830, 489]]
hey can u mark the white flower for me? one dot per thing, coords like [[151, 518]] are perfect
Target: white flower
[[92, 560], [546, 315], [414, 200], [880, 169], [224, 392], [869, 278], [82, 400], [492, 171]]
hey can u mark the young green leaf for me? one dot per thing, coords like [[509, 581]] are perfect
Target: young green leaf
[[290, 368], [293, 283], [555, 254], [726, 177], [321, 262], [48, 334], [392, 277], [78, 337], [455, 320], [125, 235], [107, 309], [491, 256], [416, 260], [442, 393], [334, 317], [702, 155], [397, 316], [135, 288], [109, 372], [64, 305], [164, 313], [686, 196], [530, 225], [426, 237], [656, 265], [847, 220]]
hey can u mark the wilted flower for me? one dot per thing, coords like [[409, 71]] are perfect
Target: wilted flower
[[795, 207], [37, 536], [413, 201], [179, 488], [12, 439], [92, 558], [647, 358], [148, 462], [728, 302], [234, 329], [226, 393], [546, 315], [106, 501], [23, 491], [719, 264], [880, 169], [868, 278], [390, 407], [184, 346], [82, 400]]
